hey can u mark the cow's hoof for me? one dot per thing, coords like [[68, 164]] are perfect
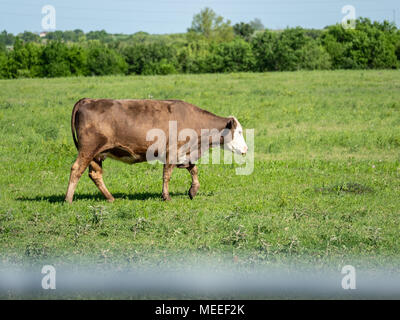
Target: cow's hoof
[[110, 200], [69, 201], [192, 193], [166, 197]]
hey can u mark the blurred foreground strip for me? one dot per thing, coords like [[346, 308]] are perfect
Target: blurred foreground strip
[[195, 282]]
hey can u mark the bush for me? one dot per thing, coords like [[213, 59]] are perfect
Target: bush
[[292, 49], [150, 58], [162, 67], [204, 57], [233, 56], [77, 58], [101, 60], [192, 58], [398, 46], [263, 50], [24, 60], [288, 49], [243, 30], [369, 46], [314, 57], [55, 60], [4, 74]]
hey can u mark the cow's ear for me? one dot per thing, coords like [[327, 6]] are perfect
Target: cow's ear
[[230, 124]]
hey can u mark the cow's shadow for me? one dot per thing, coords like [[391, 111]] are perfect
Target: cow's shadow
[[86, 196]]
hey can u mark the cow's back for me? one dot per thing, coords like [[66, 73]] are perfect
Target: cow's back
[[125, 124], [136, 117]]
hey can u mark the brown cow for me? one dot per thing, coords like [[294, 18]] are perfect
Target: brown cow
[[119, 129]]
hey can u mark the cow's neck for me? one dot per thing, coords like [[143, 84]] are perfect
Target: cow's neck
[[213, 122]]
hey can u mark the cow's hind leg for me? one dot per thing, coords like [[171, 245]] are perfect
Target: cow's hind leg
[[77, 169], [195, 180], [96, 174], [167, 172]]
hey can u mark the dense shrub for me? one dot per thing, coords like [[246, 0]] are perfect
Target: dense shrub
[[55, 60], [292, 49], [232, 56], [193, 57], [101, 60], [3, 65], [313, 56], [263, 45], [397, 45], [368, 46], [24, 60], [153, 58], [204, 57], [6, 39], [244, 30], [78, 60]]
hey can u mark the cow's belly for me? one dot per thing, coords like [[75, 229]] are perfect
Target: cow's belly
[[122, 155]]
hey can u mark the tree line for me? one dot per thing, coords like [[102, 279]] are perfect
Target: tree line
[[210, 45]]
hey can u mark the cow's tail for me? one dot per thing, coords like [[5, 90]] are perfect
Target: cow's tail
[[73, 129]]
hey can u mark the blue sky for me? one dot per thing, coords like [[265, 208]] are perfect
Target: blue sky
[[173, 16]]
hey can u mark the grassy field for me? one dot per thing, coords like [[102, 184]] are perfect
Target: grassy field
[[326, 182]]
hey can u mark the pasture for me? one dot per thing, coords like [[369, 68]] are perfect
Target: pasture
[[325, 186]]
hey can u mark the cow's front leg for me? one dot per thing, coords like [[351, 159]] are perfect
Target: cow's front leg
[[167, 172], [195, 180]]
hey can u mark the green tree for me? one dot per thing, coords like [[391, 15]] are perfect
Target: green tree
[[24, 60], [313, 56], [234, 56], [263, 45], [55, 61], [211, 26], [6, 39], [29, 37], [205, 57], [4, 73], [150, 58], [290, 50], [101, 60], [287, 49], [243, 30], [397, 44], [55, 35], [192, 58], [256, 24], [77, 59], [101, 35], [369, 45]]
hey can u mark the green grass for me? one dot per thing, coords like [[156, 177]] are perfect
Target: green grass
[[325, 184]]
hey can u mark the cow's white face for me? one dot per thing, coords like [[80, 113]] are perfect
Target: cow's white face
[[237, 143]]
